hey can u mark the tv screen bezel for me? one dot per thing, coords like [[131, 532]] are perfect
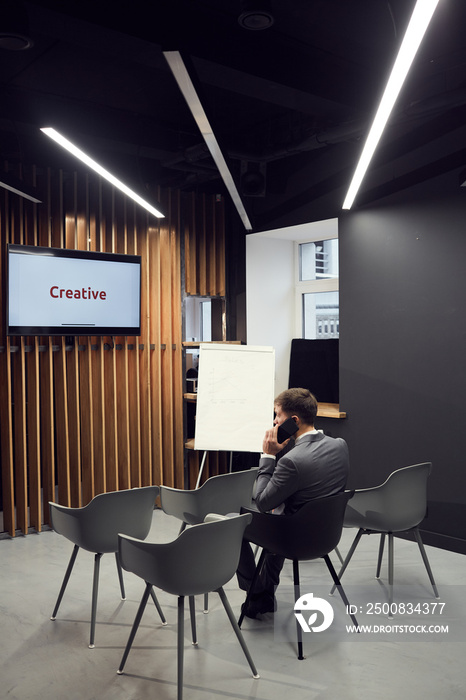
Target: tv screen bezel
[[71, 330]]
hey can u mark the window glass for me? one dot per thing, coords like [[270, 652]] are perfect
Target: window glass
[[318, 260], [206, 320], [321, 315]]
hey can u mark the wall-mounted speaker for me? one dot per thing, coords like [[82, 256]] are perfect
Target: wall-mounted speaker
[[253, 179]]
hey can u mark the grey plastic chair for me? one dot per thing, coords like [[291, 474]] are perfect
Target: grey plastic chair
[[397, 505], [202, 558], [310, 533], [222, 494], [95, 528]]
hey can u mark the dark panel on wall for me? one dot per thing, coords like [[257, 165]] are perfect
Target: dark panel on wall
[[314, 366], [403, 350]]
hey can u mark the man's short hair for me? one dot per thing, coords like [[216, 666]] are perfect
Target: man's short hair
[[299, 402]]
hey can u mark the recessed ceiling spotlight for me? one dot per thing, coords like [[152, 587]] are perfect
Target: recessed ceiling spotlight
[[14, 27], [14, 42], [256, 15]]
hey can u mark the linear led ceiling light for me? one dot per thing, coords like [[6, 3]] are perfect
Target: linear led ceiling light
[[417, 27], [74, 150], [186, 86]]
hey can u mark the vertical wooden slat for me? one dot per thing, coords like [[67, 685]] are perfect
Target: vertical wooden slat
[[47, 426], [6, 442], [74, 424], [134, 407], [219, 234], [86, 421], [61, 424], [111, 427], [154, 358], [97, 363], [98, 415], [122, 416], [33, 436], [201, 244], [191, 269], [122, 371], [177, 352], [87, 241], [167, 342], [33, 405], [20, 451], [211, 249]]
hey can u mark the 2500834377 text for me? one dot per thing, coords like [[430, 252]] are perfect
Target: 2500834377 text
[[424, 608]]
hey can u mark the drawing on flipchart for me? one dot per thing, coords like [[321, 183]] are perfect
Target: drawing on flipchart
[[224, 384], [235, 398]]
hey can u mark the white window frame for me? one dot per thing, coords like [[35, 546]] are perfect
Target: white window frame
[[309, 287]]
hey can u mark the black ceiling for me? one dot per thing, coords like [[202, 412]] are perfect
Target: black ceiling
[[290, 104]]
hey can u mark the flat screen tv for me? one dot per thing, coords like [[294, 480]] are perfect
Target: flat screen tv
[[55, 291]]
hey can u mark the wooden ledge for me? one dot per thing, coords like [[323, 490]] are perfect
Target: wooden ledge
[[330, 410]]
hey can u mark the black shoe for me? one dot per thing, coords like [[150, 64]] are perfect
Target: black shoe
[[259, 607]]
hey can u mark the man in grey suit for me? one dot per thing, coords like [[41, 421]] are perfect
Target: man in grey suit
[[314, 467]]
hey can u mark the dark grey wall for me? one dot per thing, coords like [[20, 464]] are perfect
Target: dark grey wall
[[403, 352]]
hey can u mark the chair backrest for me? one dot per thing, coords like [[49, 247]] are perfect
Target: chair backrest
[[96, 526], [222, 494], [313, 531], [202, 558], [396, 505]]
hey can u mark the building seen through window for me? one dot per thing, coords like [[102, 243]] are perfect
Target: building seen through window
[[318, 267]]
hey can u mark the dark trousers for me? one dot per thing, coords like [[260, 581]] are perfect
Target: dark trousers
[[269, 576]]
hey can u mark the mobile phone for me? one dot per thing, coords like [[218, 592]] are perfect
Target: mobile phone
[[286, 430]]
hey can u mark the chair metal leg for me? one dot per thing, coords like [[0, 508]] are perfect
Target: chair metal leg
[[348, 556], [134, 629], [391, 561], [337, 552], [297, 595], [192, 614], [379, 559], [157, 605], [237, 630], [120, 576], [417, 535], [68, 571], [206, 603], [338, 585], [95, 590], [180, 645], [252, 586]]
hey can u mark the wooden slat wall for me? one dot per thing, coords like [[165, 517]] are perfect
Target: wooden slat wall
[[103, 413], [205, 276], [205, 246]]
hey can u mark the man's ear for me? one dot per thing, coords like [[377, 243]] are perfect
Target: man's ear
[[296, 419]]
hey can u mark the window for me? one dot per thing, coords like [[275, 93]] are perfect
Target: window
[[317, 301], [320, 315], [206, 320], [198, 318], [318, 260]]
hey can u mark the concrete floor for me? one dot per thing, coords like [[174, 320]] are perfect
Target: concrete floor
[[41, 659]]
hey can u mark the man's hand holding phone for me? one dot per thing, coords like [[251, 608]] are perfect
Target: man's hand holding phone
[[277, 437]]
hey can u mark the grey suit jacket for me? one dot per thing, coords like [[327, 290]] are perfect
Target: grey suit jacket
[[317, 466]]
